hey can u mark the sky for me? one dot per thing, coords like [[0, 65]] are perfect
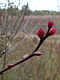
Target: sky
[[37, 4]]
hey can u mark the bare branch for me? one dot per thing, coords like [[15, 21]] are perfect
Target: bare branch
[[15, 32], [28, 57]]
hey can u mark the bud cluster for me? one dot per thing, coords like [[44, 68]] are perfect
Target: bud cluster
[[41, 32], [42, 35]]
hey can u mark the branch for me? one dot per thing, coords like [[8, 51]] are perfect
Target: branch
[[21, 61], [4, 51], [28, 57], [42, 37]]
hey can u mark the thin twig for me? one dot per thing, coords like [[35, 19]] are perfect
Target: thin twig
[[28, 57], [14, 34], [6, 26]]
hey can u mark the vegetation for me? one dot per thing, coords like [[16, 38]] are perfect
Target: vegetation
[[15, 11], [18, 36]]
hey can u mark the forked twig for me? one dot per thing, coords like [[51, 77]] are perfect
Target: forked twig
[[28, 57]]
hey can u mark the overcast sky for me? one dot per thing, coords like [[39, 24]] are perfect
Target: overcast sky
[[38, 4]]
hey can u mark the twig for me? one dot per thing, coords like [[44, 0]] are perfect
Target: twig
[[6, 26], [28, 57], [15, 33]]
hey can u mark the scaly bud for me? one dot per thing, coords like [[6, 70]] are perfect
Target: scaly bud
[[40, 33], [37, 53], [25, 56], [50, 24], [10, 65], [52, 31]]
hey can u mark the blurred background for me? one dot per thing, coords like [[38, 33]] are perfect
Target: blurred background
[[19, 22]]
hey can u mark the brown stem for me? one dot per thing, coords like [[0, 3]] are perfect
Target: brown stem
[[22, 60], [28, 57]]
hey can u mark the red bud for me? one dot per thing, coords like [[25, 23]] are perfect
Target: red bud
[[1, 72], [37, 53], [52, 31], [10, 65], [40, 33], [50, 24]]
